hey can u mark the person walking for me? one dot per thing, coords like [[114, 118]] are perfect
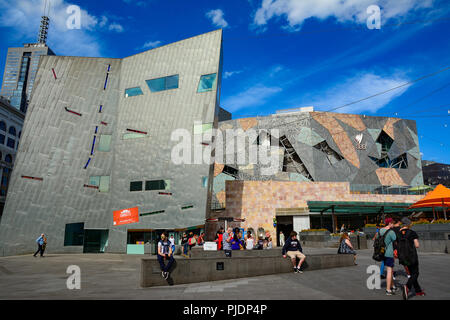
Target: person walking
[[382, 276], [293, 250], [389, 255], [165, 253], [408, 243], [41, 242], [346, 247]]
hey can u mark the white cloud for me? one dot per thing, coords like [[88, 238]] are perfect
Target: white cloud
[[228, 74], [358, 87], [23, 16], [252, 97], [217, 19], [151, 44], [115, 27], [297, 11]]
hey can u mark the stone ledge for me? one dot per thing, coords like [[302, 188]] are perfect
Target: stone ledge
[[196, 270]]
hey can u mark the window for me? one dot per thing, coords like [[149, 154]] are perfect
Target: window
[[2, 139], [8, 158], [136, 186], [133, 135], [102, 182], [165, 83], [2, 126], [157, 185], [74, 234], [207, 82], [104, 143], [11, 143], [131, 92], [202, 128]]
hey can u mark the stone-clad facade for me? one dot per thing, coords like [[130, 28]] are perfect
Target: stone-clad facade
[[366, 151]]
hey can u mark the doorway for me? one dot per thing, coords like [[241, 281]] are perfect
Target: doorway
[[95, 241], [285, 225]]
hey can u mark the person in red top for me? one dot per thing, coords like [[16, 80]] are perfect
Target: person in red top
[[219, 239]]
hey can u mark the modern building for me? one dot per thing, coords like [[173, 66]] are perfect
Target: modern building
[[98, 138], [11, 123], [436, 173], [359, 167], [21, 68]]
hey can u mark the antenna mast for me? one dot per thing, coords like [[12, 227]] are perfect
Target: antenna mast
[[45, 20]]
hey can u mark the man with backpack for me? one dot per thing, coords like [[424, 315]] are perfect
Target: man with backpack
[[384, 251], [408, 243]]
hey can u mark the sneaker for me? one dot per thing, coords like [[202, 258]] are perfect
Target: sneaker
[[420, 293], [163, 274], [394, 288], [390, 293], [166, 275], [299, 271], [405, 292], [295, 270]]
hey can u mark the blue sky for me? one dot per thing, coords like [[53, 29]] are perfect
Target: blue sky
[[278, 54]]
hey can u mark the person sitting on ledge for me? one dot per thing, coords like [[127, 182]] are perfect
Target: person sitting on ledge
[[293, 249], [345, 246], [165, 253]]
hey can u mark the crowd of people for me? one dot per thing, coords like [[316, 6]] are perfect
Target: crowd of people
[[233, 240]]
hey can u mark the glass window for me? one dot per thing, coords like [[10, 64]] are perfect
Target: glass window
[[11, 143], [156, 185], [156, 85], [94, 181], [74, 234], [207, 82], [165, 83], [131, 92], [136, 186], [202, 128], [104, 184], [2, 126], [8, 159], [2, 139], [133, 135], [172, 82], [104, 143]]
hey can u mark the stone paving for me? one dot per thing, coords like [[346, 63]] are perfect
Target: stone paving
[[116, 276]]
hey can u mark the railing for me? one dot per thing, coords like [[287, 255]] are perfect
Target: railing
[[377, 189]]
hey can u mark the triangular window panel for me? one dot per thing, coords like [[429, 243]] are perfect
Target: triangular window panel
[[292, 162]]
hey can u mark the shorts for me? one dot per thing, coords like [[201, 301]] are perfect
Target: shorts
[[388, 262], [295, 254]]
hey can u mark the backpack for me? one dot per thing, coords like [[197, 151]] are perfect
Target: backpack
[[407, 254], [379, 247]]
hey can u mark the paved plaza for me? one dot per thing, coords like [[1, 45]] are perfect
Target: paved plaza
[[116, 276]]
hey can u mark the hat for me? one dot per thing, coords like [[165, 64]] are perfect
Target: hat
[[406, 221], [388, 220]]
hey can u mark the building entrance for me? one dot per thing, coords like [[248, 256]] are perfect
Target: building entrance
[[95, 241], [285, 225]]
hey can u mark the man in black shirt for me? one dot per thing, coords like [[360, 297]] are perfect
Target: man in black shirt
[[410, 237], [293, 249]]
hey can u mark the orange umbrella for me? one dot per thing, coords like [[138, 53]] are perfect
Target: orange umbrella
[[439, 197]]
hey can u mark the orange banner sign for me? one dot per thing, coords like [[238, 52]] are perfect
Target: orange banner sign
[[125, 216]]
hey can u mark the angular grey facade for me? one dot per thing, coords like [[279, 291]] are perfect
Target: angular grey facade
[[369, 152], [94, 126]]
